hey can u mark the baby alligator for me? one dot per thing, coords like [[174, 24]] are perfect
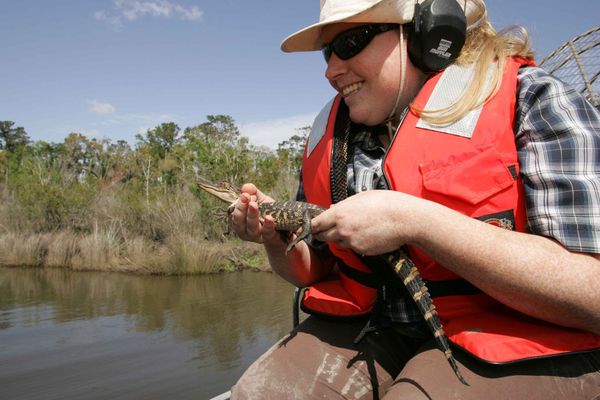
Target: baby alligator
[[290, 216]]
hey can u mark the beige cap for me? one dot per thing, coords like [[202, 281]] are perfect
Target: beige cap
[[365, 11]]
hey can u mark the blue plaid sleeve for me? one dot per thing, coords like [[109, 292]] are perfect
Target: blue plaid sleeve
[[558, 143]]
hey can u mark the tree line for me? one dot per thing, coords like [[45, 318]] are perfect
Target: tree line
[[142, 191]]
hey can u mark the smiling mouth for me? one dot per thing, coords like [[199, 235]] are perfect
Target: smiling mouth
[[350, 89]]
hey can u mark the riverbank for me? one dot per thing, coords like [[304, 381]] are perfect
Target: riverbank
[[103, 250], [88, 204], [178, 233]]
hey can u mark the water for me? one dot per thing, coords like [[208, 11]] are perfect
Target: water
[[83, 335]]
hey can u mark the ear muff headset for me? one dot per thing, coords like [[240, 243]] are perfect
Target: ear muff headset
[[438, 34]]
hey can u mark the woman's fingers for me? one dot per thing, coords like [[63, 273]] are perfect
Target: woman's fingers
[[253, 225]]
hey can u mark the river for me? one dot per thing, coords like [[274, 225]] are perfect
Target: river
[[89, 335]]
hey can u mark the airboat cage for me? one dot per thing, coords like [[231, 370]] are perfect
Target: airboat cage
[[577, 62]]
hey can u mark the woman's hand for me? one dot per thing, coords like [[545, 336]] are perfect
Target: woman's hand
[[299, 267], [370, 223], [245, 220]]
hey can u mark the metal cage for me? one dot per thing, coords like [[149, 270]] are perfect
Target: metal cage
[[577, 62]]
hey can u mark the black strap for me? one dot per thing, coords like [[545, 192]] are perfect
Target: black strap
[[451, 287], [339, 156], [364, 278], [454, 287]]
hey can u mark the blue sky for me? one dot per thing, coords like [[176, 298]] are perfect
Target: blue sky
[[114, 68]]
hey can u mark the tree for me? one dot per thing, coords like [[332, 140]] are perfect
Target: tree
[[74, 155], [107, 162], [43, 161], [290, 151], [161, 139], [157, 148], [218, 151], [11, 138], [144, 162], [13, 142]]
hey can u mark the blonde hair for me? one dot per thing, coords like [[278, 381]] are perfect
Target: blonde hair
[[483, 47]]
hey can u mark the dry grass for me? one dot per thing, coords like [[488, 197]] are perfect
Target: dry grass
[[99, 250], [18, 250], [140, 255], [102, 250], [63, 247], [169, 236], [190, 256]]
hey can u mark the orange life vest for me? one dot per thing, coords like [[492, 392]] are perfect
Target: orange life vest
[[470, 166]]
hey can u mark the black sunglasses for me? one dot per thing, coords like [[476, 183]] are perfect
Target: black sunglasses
[[351, 42]]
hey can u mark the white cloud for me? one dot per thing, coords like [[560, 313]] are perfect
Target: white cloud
[[131, 10], [272, 132], [100, 15], [101, 108], [190, 14]]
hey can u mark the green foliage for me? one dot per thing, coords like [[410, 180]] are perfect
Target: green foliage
[[13, 142], [160, 140], [141, 195], [11, 139], [290, 151], [217, 150], [54, 205]]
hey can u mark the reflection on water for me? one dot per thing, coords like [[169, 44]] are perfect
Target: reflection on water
[[74, 335]]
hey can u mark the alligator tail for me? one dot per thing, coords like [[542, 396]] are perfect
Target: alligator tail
[[415, 285]]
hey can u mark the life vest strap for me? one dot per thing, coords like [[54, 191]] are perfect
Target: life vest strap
[[368, 279], [451, 287]]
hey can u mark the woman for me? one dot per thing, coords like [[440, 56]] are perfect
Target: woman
[[468, 140]]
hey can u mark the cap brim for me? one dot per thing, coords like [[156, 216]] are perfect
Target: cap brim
[[384, 11], [309, 38]]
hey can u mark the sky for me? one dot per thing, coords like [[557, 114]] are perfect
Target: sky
[[115, 68]]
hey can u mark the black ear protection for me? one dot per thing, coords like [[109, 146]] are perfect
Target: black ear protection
[[438, 34]]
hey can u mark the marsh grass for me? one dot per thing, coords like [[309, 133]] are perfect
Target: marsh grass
[[170, 235], [18, 250], [190, 256], [141, 255], [63, 247], [100, 250]]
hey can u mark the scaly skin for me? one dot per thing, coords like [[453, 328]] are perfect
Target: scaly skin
[[406, 270], [290, 216]]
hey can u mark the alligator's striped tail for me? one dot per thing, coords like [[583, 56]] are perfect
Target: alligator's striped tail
[[413, 282]]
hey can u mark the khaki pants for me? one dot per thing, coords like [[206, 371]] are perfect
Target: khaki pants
[[318, 360]]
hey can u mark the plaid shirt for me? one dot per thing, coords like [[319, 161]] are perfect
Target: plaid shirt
[[557, 135]]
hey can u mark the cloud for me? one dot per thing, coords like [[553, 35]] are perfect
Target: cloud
[[131, 10], [272, 132], [101, 108], [100, 15]]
